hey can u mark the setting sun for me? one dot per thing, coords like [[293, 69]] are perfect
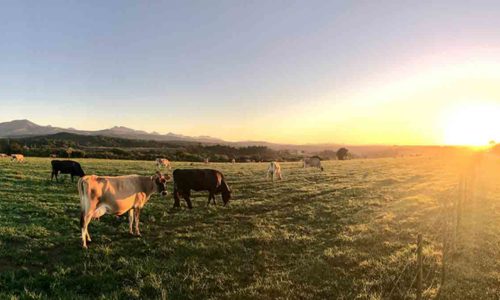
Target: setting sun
[[471, 124]]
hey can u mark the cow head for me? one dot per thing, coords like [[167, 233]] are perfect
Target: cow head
[[226, 193], [79, 171], [160, 181]]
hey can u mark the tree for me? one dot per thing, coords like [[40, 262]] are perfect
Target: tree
[[69, 151], [342, 153]]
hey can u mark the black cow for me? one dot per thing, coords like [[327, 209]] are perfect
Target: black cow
[[209, 180], [66, 167]]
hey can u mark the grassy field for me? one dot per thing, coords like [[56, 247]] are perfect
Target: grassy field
[[348, 232]]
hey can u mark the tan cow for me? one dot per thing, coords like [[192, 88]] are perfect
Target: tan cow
[[314, 162], [3, 155], [233, 161], [101, 195], [274, 169], [17, 157], [163, 162]]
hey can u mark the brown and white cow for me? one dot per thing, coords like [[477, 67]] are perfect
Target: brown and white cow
[[274, 169], [163, 162], [314, 162], [101, 195], [2, 155], [17, 157]]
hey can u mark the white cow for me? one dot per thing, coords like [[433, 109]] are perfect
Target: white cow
[[17, 157], [274, 169], [101, 195], [163, 162], [314, 162]]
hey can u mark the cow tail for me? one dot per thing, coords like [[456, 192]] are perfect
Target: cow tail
[[84, 192]]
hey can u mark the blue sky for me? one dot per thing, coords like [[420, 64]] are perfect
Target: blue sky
[[234, 69]]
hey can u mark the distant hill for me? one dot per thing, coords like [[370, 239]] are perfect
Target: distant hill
[[26, 128], [138, 138]]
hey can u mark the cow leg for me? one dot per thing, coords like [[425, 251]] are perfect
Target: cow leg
[[137, 213], [131, 220], [71, 177], [52, 176], [186, 196], [85, 224], [211, 196], [177, 201]]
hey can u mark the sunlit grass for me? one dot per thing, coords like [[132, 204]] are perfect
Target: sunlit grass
[[347, 232]]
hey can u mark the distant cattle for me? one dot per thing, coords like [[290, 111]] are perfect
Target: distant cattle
[[209, 180], [101, 195], [17, 157], [66, 167], [233, 161], [274, 169], [163, 162], [53, 155], [206, 160], [3, 155], [314, 162]]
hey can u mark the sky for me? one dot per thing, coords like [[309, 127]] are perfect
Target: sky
[[353, 72]]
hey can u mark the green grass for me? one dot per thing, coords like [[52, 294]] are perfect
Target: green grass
[[344, 233]]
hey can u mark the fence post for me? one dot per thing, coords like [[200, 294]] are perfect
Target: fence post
[[458, 206], [419, 265]]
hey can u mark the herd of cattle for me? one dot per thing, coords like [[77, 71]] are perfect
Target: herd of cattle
[[117, 195]]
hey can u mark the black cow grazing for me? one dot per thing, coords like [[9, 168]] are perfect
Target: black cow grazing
[[209, 180], [66, 167]]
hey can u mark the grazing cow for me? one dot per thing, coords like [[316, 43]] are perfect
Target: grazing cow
[[163, 162], [2, 155], [209, 180], [53, 155], [274, 169], [17, 157], [66, 167], [314, 162], [101, 195]]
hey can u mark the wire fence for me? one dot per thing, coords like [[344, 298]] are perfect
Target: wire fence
[[447, 224]]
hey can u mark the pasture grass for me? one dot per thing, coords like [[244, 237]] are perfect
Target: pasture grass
[[346, 233]]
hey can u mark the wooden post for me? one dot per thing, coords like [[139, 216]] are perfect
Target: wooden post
[[419, 265], [458, 207], [443, 261]]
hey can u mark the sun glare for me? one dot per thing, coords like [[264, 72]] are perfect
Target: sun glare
[[473, 125]]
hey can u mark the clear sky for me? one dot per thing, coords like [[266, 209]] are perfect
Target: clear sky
[[360, 72]]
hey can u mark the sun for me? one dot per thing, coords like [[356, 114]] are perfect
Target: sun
[[472, 124]]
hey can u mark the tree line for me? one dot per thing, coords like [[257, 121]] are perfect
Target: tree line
[[69, 145]]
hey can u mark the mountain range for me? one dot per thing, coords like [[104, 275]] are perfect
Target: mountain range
[[26, 128]]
